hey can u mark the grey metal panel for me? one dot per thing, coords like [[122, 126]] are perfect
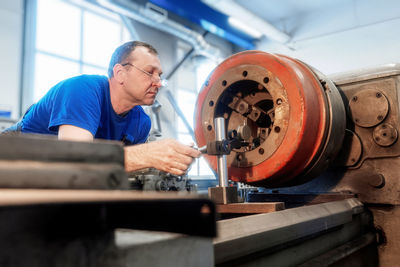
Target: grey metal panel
[[366, 74]]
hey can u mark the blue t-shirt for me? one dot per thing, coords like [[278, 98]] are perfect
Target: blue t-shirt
[[84, 101]]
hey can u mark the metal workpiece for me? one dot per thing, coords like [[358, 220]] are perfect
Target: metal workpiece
[[222, 168], [97, 228], [303, 233], [49, 148], [96, 211], [223, 194], [291, 117], [34, 161]]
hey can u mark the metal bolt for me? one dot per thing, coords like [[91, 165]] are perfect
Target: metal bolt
[[266, 80], [279, 101], [224, 83]]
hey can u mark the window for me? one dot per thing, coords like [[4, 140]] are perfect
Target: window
[[193, 76], [71, 40]]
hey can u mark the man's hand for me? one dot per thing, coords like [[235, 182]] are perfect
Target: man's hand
[[166, 155]]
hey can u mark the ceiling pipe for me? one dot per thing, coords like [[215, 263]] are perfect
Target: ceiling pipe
[[234, 10], [156, 17]]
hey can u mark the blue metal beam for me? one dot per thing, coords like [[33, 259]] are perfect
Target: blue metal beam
[[208, 18]]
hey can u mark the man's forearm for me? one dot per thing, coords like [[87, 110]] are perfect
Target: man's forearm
[[136, 157], [166, 155]]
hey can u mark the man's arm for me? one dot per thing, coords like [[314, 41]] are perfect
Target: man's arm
[[74, 133], [166, 155]]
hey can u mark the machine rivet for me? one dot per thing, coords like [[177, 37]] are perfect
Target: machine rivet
[[277, 129], [211, 103], [279, 101], [380, 117], [266, 80], [244, 73], [209, 127], [261, 151], [378, 95], [355, 98], [224, 83]]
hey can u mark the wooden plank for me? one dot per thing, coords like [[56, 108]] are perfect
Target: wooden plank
[[250, 208], [31, 197], [299, 199]]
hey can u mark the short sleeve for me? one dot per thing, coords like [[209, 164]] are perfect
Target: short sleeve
[[139, 127], [77, 103], [144, 130]]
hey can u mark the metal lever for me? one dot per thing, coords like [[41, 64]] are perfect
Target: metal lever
[[219, 124]]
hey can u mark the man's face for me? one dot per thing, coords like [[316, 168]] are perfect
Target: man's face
[[142, 79]]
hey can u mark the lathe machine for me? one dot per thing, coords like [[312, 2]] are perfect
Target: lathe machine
[[306, 135]]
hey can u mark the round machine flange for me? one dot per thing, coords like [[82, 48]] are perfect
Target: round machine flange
[[368, 107], [352, 150], [297, 124], [385, 134]]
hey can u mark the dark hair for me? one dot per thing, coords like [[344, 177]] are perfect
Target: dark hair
[[123, 51]]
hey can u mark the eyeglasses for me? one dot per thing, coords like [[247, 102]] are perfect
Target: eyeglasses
[[156, 79]]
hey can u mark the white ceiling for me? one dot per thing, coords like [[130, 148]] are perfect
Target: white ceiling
[[303, 19]]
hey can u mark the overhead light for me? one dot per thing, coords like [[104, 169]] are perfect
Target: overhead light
[[244, 28], [232, 9]]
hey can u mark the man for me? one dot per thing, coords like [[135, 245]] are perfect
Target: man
[[91, 106]]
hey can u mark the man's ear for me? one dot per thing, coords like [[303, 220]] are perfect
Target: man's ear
[[119, 73]]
